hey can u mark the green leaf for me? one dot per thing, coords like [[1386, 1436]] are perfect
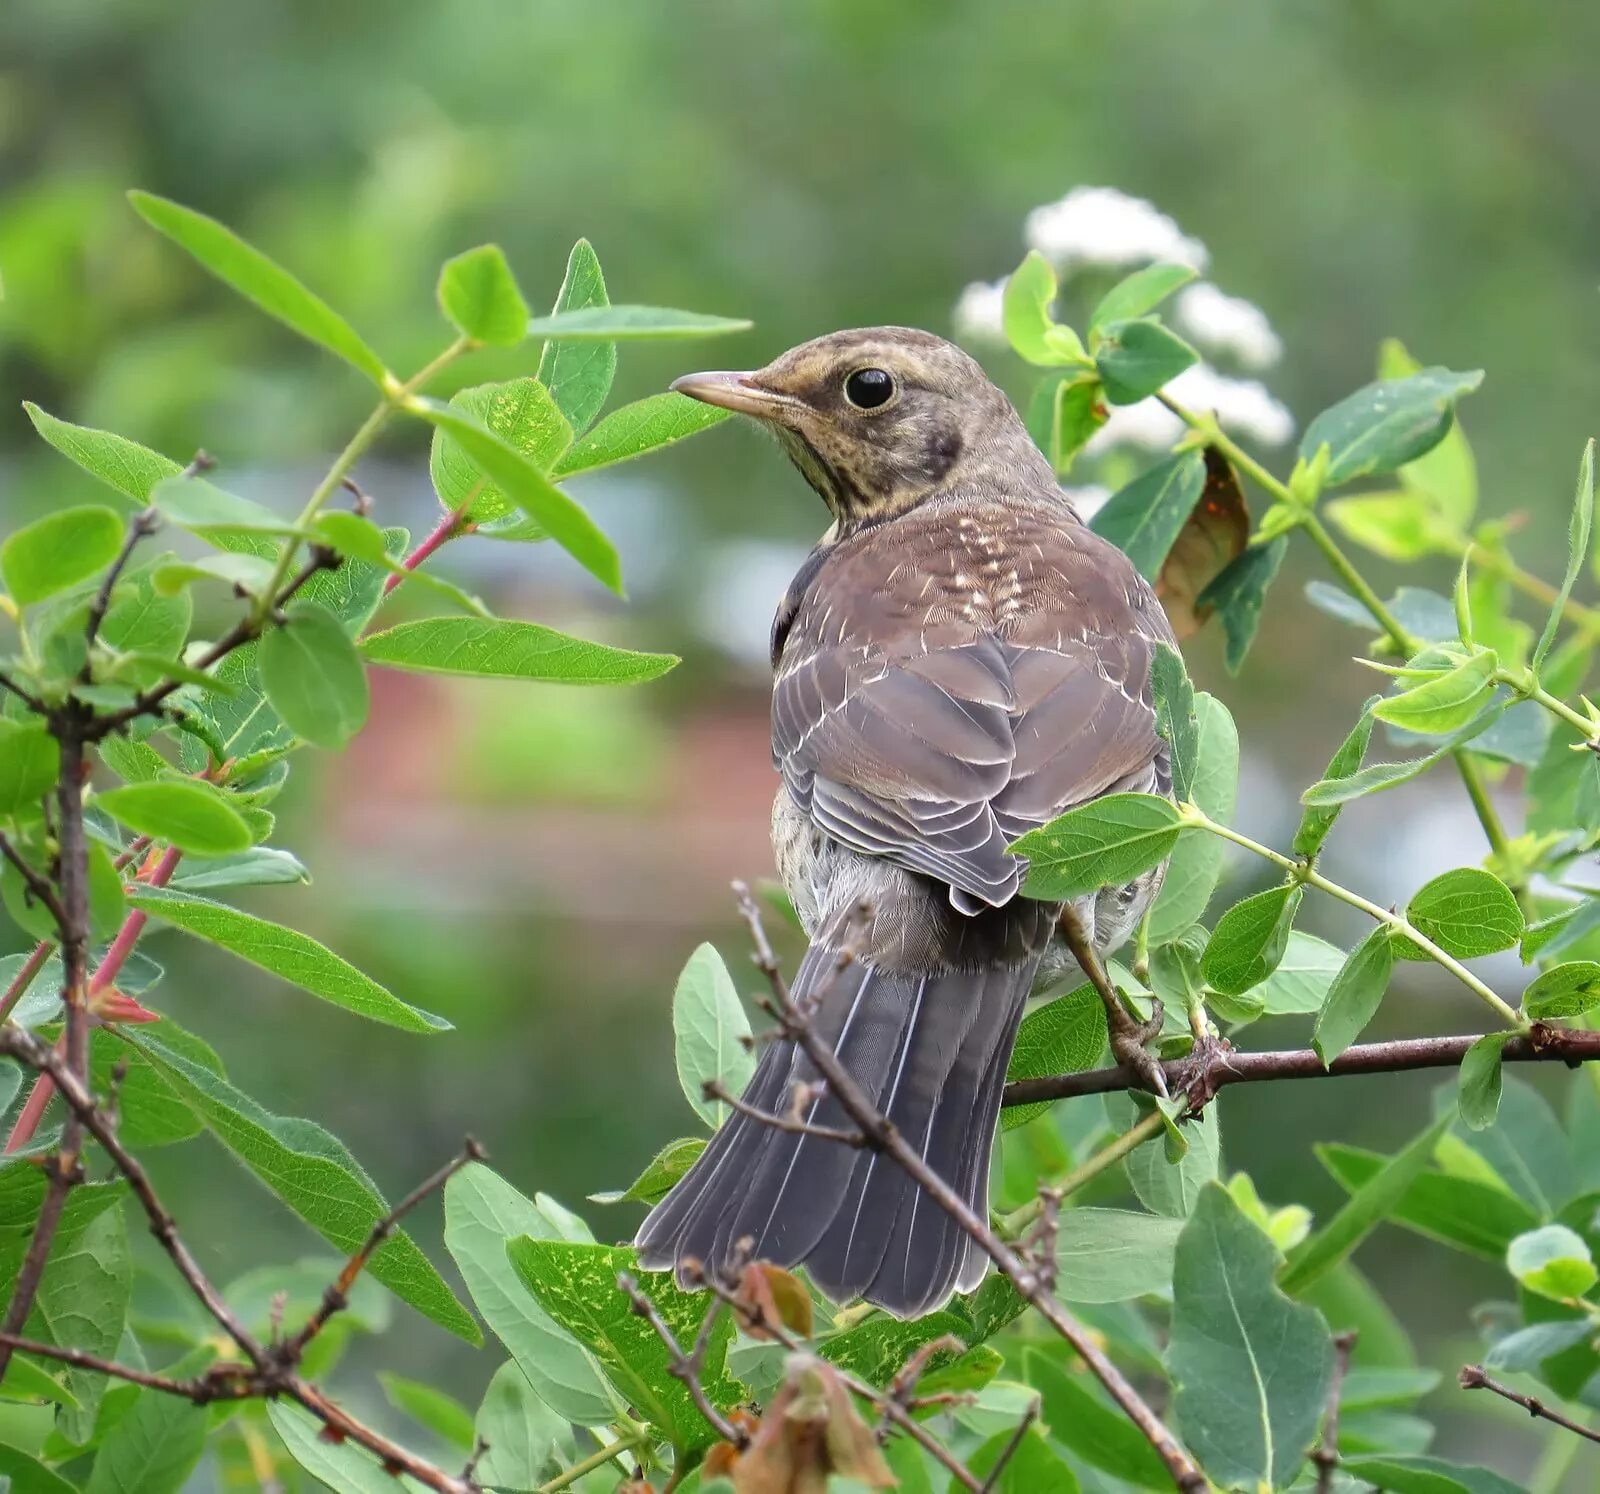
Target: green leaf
[[313, 677], [1376, 777], [1467, 912], [1478, 1095], [1447, 475], [59, 551], [707, 1024], [133, 470], [1303, 977], [1578, 529], [1387, 424], [250, 573], [646, 425], [1553, 1261], [524, 415], [284, 952], [105, 895], [1250, 939], [30, 760], [1025, 312], [154, 1447], [1398, 526], [1362, 1212], [479, 295], [660, 1174], [1250, 1367], [521, 1433], [1144, 518], [1238, 593], [1063, 1036], [1414, 1473], [1114, 1255], [565, 521], [214, 514], [314, 1174], [258, 279], [1137, 358], [1103, 843], [1065, 411], [1317, 820], [1168, 1187], [1566, 990], [353, 535], [1138, 293], [578, 374], [577, 1286], [632, 324], [1083, 1423], [1354, 995], [345, 1466], [184, 812], [28, 1475], [481, 1213], [509, 650], [1447, 701], [877, 1348], [150, 1112], [1032, 1466], [438, 1412], [1176, 718], [1196, 862]]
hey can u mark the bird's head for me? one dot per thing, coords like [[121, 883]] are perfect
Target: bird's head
[[878, 419]]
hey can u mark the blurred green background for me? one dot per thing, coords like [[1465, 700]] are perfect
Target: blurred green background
[[537, 865]]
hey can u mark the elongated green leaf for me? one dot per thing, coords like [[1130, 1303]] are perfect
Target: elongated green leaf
[[1063, 1036], [438, 1412], [1444, 703], [1362, 1212], [257, 278], [284, 952], [1176, 717], [1448, 474], [481, 1213], [1566, 990], [1478, 1095], [1144, 518], [1415, 1473], [1354, 995], [525, 415], [644, 426], [343, 1466], [1379, 776], [1196, 862], [577, 1286], [662, 1172], [314, 1174], [1031, 1465], [58, 551], [1387, 424], [30, 760], [1577, 552], [1138, 293], [1104, 843], [1025, 311], [1137, 358], [250, 573], [565, 521], [353, 535], [154, 1447], [133, 470], [578, 374], [29, 1476], [708, 1023], [1317, 820], [521, 1433], [1250, 939], [1099, 1434], [479, 294], [1467, 912], [1398, 526], [1113, 1255], [313, 677], [1237, 595], [509, 650], [631, 324], [1251, 1368], [183, 812]]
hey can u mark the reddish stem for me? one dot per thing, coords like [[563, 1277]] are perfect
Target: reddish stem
[[24, 977], [44, 1087], [452, 524]]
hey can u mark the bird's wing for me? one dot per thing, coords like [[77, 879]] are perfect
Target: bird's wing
[[907, 727]]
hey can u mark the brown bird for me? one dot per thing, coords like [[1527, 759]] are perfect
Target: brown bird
[[958, 661]]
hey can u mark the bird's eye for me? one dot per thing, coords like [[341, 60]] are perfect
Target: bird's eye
[[867, 388]]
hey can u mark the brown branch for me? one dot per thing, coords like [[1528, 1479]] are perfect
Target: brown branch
[[1009, 1450], [38, 885], [227, 1381], [33, 703], [1326, 1453], [1543, 1044], [140, 526], [1472, 1377], [882, 1136], [686, 1367], [788, 1120], [337, 1296]]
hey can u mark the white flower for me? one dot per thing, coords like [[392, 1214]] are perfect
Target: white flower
[[1224, 324], [978, 314], [1102, 226], [1243, 407]]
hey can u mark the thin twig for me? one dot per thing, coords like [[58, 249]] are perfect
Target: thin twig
[[884, 1137], [598, 1459], [1326, 1454], [1472, 1377], [452, 524], [234, 1383], [141, 525], [38, 885], [32, 701], [25, 976], [715, 1089], [686, 1366], [1009, 1450]]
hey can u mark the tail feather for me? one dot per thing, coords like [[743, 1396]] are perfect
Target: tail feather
[[930, 1051]]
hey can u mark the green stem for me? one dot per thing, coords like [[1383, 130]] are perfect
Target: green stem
[[1012, 1224], [1357, 584], [1585, 619], [594, 1460], [1306, 873], [1477, 791]]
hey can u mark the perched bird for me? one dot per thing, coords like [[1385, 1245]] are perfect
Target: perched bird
[[958, 661]]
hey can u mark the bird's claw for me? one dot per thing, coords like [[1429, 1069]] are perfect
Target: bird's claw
[[1129, 1039]]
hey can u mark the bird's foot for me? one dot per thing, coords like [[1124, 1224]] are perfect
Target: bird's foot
[[1198, 1074], [1130, 1041]]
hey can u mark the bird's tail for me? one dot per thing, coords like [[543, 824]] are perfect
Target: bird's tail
[[931, 1052]]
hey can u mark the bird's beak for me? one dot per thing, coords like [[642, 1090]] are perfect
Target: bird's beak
[[735, 391]]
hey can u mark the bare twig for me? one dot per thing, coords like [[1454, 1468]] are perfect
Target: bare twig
[[1326, 1454], [38, 885], [884, 1137], [1472, 1377], [1009, 1450], [29, 699], [25, 977], [141, 525], [452, 524], [228, 1381], [788, 1120]]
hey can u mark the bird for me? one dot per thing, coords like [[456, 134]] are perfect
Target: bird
[[959, 660]]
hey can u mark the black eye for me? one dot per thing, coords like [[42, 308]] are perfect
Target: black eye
[[867, 388]]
